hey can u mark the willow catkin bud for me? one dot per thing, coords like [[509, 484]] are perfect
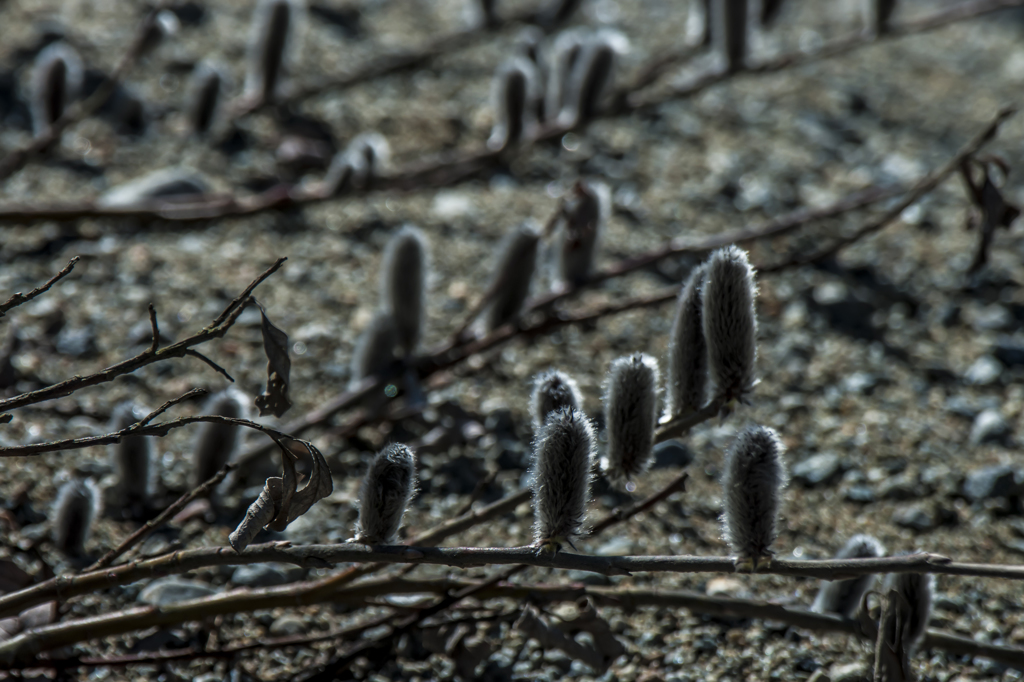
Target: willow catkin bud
[[204, 97], [585, 217], [770, 10], [565, 52], [517, 259], [844, 596], [729, 32], [273, 26], [385, 494], [877, 14], [161, 27], [368, 154], [76, 507], [630, 416], [687, 352], [591, 78], [563, 454], [375, 350], [132, 457], [552, 391], [514, 92], [914, 610], [216, 443], [730, 324], [754, 477], [404, 285], [57, 77]]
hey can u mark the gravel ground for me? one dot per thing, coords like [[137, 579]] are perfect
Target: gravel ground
[[899, 372]]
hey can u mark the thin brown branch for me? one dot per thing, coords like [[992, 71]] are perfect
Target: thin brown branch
[[617, 515], [194, 393], [16, 159], [180, 349], [154, 345], [19, 298], [217, 368], [923, 187], [164, 516]]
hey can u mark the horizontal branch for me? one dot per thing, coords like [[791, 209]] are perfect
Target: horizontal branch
[[147, 357]]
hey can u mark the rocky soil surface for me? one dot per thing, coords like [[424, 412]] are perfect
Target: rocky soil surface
[[893, 376]]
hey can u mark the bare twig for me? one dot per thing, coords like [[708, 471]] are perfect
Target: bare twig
[[151, 525], [19, 298], [618, 515], [216, 330]]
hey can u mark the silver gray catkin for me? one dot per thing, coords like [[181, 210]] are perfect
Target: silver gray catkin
[[630, 416], [375, 350], [729, 32], [132, 458], [562, 459], [844, 596], [404, 285], [753, 480], [517, 260], [75, 509], [552, 391], [877, 14], [591, 78], [273, 28], [359, 164], [585, 216], [914, 610], [204, 97], [565, 52], [687, 352], [215, 444], [384, 495], [514, 92], [730, 323], [56, 82]]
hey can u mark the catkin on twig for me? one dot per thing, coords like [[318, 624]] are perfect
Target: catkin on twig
[[591, 77], [754, 477], [517, 260], [729, 32], [76, 507], [216, 443], [730, 324], [844, 596], [687, 352], [564, 54], [630, 416], [404, 285], [563, 457], [514, 92], [204, 97], [273, 32], [384, 495], [57, 76], [132, 458], [553, 390], [585, 215]]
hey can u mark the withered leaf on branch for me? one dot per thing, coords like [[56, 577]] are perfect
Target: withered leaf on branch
[[274, 400], [280, 503]]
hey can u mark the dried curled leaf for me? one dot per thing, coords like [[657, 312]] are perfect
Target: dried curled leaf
[[274, 400], [280, 503]]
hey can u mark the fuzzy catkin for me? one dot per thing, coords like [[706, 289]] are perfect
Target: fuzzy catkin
[[729, 32], [876, 14], [754, 477], [585, 217], [844, 596], [384, 495], [368, 154], [57, 77], [730, 323], [591, 77], [375, 350], [204, 97], [273, 25], [517, 260], [513, 96], [404, 284], [564, 54], [76, 507], [553, 390], [131, 457], [914, 610], [630, 416], [687, 352], [562, 460], [215, 443]]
